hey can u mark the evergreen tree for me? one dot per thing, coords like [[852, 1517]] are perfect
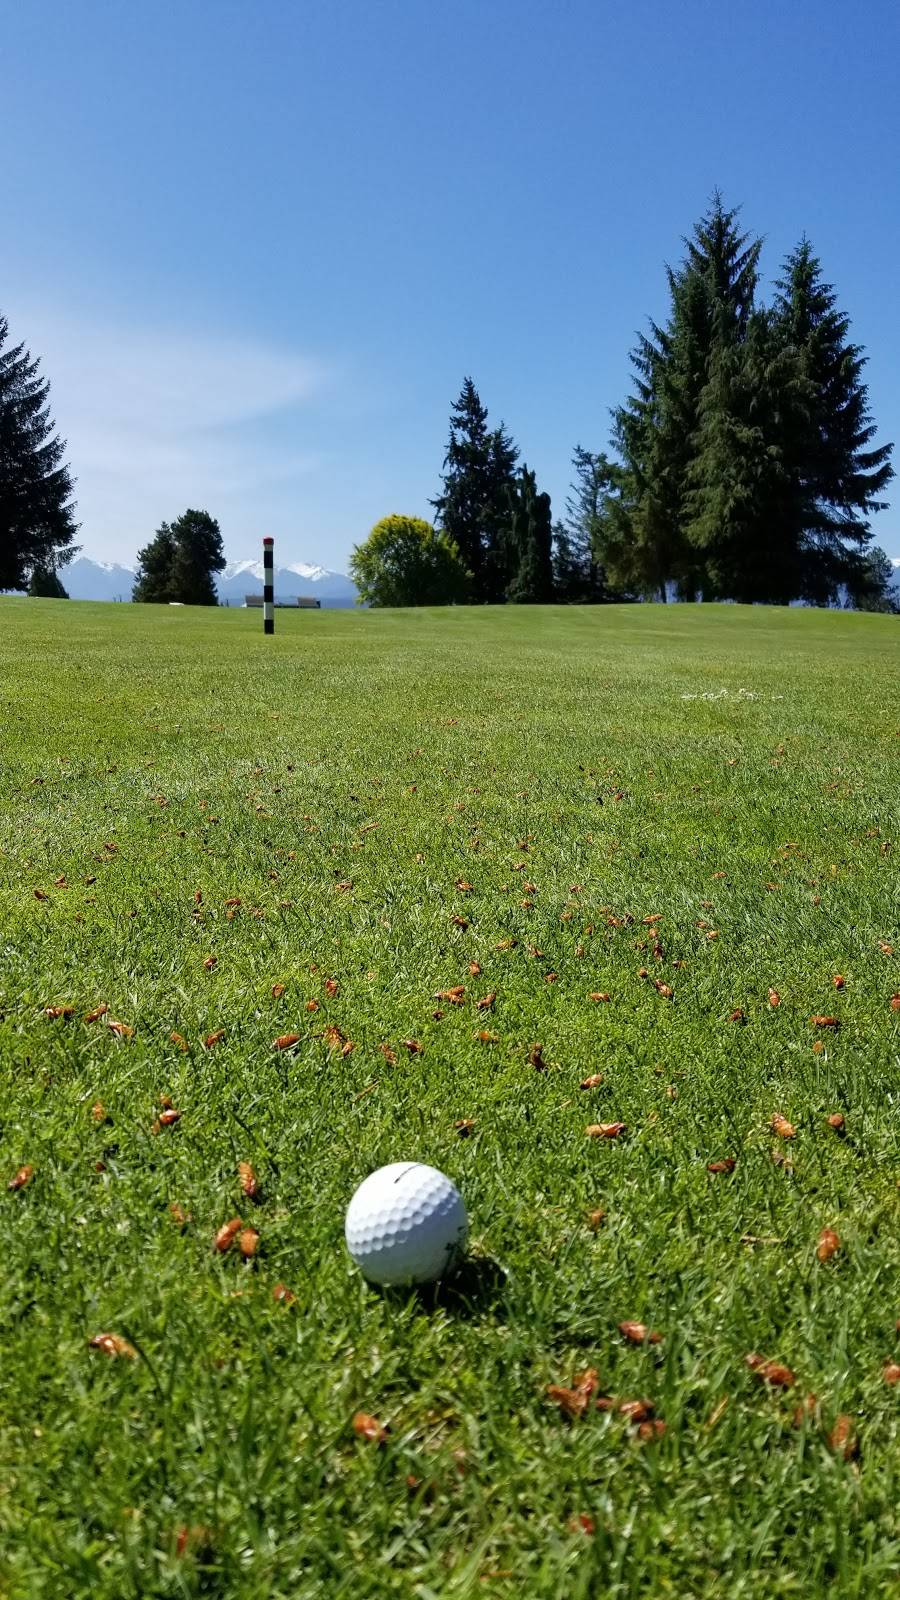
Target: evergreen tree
[[578, 575], [748, 463], [153, 582], [869, 584], [839, 475], [529, 542], [711, 303], [179, 562], [568, 568], [502, 458], [471, 509], [46, 584], [199, 554], [742, 508], [37, 514], [634, 543]]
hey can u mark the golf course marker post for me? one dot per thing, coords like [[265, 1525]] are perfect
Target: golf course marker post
[[268, 586]]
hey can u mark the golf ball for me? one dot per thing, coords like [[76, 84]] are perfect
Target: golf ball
[[406, 1224]]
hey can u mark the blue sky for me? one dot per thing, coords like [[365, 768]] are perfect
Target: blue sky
[[259, 244]]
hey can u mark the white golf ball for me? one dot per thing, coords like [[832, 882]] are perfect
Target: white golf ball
[[406, 1224]]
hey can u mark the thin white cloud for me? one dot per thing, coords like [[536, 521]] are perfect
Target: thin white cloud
[[153, 423]]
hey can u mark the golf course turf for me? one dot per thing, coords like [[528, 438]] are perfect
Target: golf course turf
[[470, 859]]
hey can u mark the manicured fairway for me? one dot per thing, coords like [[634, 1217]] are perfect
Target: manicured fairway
[[231, 839]]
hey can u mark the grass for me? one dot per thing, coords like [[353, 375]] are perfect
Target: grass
[[728, 771]]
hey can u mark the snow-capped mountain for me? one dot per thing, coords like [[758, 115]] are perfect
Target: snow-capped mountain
[[298, 578], [254, 569], [97, 580], [110, 580]]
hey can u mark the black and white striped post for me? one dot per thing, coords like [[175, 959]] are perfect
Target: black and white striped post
[[268, 585]]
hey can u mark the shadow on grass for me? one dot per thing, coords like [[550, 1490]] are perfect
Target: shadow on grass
[[478, 1285], [475, 1287]]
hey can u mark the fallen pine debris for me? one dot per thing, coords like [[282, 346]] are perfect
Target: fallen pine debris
[[771, 1372], [112, 1344]]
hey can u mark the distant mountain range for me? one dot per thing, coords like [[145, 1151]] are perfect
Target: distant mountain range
[[298, 578], [96, 580], [107, 580]]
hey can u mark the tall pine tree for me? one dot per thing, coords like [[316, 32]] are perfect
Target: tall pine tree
[[749, 467], [199, 555], [46, 584], [180, 562], [711, 303], [869, 586], [742, 508], [471, 509], [839, 475], [578, 576], [153, 583], [37, 514], [568, 568], [529, 542], [502, 458]]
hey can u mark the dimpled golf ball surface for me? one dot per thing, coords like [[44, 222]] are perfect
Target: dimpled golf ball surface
[[405, 1224]]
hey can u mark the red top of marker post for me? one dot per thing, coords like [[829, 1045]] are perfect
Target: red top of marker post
[[268, 541]]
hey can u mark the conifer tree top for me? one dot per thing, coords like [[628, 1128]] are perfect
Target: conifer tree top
[[37, 513]]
